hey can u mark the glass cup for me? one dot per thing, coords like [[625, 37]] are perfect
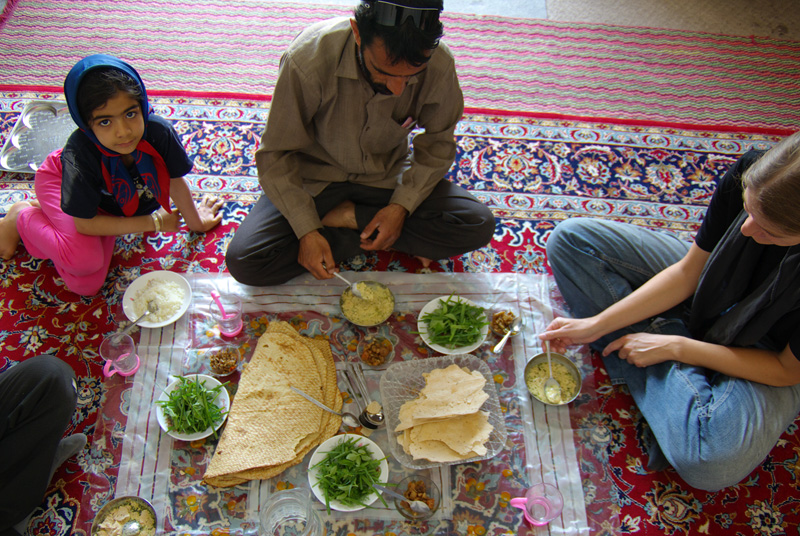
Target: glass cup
[[119, 351], [290, 512], [542, 504], [229, 317]]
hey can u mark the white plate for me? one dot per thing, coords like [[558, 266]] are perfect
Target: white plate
[[141, 281], [223, 401], [328, 446], [403, 381], [422, 327]]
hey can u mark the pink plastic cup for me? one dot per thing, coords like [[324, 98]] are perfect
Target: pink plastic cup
[[542, 504], [119, 351]]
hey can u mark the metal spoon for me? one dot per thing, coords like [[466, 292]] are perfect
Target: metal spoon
[[513, 329], [131, 528], [353, 288], [418, 507], [552, 389], [151, 308], [347, 418]]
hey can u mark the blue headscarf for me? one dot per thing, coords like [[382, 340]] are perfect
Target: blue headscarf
[[150, 164]]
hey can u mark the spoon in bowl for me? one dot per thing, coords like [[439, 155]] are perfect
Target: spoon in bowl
[[418, 507], [513, 329], [552, 389], [353, 288]]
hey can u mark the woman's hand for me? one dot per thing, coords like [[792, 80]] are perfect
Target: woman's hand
[[563, 332], [645, 349]]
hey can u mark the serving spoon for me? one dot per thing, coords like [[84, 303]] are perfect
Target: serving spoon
[[352, 286], [418, 507], [513, 329], [552, 389], [347, 418], [150, 308]]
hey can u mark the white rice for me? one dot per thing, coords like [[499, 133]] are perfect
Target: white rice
[[168, 295]]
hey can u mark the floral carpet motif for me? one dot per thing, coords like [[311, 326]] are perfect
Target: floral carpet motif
[[532, 173]]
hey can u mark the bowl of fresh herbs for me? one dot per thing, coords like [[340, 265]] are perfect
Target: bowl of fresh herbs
[[343, 469], [453, 325], [193, 407]]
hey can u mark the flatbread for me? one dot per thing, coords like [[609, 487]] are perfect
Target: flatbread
[[270, 427], [447, 393], [444, 423]]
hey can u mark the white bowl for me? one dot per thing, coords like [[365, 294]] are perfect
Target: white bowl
[[422, 327], [141, 281], [328, 446], [223, 402]]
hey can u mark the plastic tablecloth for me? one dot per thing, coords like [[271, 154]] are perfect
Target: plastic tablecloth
[[136, 458]]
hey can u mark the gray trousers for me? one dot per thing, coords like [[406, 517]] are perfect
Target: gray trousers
[[449, 222], [37, 399]]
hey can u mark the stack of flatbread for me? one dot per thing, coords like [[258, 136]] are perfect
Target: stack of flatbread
[[270, 428], [444, 423]]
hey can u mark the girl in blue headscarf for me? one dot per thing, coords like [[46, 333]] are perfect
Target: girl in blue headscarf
[[115, 176]]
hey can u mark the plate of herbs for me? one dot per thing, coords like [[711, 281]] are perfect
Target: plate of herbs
[[343, 469], [193, 407], [453, 325]]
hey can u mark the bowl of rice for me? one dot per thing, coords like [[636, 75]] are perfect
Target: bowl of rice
[[374, 307], [564, 371], [169, 290]]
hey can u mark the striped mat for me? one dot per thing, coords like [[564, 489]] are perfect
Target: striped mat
[[517, 66]]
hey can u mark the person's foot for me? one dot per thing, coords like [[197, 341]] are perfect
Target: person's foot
[[426, 263], [69, 447], [9, 236], [342, 215]]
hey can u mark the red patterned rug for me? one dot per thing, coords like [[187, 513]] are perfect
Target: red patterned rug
[[532, 173]]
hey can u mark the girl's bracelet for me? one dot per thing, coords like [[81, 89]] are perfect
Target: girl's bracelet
[[156, 220]]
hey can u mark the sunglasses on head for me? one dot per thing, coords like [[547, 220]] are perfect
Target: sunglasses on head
[[390, 14]]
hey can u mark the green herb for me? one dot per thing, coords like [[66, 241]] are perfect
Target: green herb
[[455, 323], [347, 473], [191, 408]]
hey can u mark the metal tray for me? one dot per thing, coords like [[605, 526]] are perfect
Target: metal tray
[[42, 127]]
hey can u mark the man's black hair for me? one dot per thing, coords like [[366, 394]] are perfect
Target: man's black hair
[[406, 42]]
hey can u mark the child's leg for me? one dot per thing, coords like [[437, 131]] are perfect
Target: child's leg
[[9, 236], [48, 233]]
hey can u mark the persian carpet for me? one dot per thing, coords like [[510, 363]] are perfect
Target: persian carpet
[[514, 65], [532, 173]]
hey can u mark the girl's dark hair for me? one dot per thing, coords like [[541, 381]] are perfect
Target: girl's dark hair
[[100, 85], [774, 183], [405, 43]]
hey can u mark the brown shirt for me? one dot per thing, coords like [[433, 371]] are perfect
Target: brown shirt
[[326, 124]]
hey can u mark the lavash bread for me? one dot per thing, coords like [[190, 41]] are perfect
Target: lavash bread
[[444, 423], [270, 428]]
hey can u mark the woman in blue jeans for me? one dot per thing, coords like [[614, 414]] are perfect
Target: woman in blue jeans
[[705, 335]]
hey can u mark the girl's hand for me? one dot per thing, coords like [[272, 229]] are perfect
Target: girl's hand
[[563, 332], [208, 209], [170, 222], [644, 349]]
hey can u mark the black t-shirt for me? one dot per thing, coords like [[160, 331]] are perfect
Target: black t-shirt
[[726, 204], [83, 189]]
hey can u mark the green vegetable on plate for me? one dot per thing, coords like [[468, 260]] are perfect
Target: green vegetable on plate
[[455, 323], [191, 407], [347, 473]]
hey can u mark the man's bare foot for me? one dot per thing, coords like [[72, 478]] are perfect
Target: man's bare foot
[[9, 237], [343, 215], [425, 262]]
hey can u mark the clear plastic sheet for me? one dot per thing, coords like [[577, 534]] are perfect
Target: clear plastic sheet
[[133, 456]]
